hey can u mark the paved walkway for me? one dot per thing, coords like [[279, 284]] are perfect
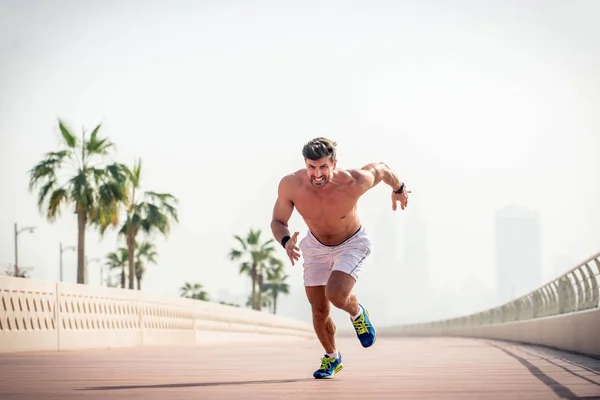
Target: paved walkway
[[395, 368]]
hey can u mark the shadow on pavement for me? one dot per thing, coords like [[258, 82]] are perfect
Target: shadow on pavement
[[197, 384], [576, 364]]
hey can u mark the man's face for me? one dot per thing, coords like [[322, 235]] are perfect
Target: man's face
[[320, 172]]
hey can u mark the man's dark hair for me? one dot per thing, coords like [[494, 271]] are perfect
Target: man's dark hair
[[319, 148]]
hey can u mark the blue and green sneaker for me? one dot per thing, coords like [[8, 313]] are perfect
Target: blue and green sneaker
[[364, 328], [329, 367]]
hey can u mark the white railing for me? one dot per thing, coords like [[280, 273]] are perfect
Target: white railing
[[563, 313], [37, 315]]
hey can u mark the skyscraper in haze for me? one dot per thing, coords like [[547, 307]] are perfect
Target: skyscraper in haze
[[518, 252]]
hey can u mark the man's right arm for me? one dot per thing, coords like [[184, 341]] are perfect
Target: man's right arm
[[282, 211]]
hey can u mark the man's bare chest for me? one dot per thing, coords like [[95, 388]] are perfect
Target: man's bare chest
[[313, 207]]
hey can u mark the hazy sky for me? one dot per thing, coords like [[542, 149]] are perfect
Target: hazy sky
[[474, 105]]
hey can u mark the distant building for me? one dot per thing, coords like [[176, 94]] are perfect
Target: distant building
[[518, 252]]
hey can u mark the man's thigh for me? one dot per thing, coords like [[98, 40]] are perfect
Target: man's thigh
[[339, 285], [347, 265]]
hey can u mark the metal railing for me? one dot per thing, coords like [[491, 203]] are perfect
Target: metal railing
[[573, 291]]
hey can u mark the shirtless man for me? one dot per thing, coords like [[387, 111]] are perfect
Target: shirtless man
[[336, 244]]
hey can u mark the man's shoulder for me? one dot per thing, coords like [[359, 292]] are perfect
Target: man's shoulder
[[359, 178], [359, 174], [291, 180]]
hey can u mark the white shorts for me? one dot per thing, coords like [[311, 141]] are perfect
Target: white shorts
[[321, 259]]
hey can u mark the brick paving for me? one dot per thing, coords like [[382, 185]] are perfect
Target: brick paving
[[394, 368]]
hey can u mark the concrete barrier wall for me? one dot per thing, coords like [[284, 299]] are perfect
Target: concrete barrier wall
[[578, 332], [37, 315]]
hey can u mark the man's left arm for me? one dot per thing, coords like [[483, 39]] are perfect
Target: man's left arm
[[373, 173]]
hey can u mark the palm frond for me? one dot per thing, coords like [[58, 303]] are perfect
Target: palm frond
[[82, 191], [105, 216], [124, 228], [194, 291], [265, 245], [235, 254], [147, 251], [47, 188], [69, 138], [98, 146], [94, 133], [57, 198], [136, 174], [154, 219], [118, 172], [46, 169], [241, 242], [246, 268], [275, 266], [112, 260], [267, 248], [164, 201], [253, 237]]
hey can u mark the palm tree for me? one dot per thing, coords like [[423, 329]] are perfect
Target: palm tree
[[258, 255], [264, 300], [146, 253], [118, 260], [276, 282], [149, 212], [74, 176], [194, 291]]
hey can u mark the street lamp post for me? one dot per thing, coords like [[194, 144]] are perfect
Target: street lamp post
[[17, 232], [62, 250]]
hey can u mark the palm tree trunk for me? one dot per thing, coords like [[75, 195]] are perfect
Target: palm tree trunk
[[275, 302], [123, 276], [260, 292], [139, 283], [81, 222], [130, 256], [253, 273]]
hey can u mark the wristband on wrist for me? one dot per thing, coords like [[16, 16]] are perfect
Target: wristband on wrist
[[285, 240], [399, 191]]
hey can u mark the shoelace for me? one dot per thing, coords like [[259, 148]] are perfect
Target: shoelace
[[326, 363], [360, 325]]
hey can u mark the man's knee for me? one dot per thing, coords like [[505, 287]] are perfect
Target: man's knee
[[339, 288], [320, 311], [336, 297]]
